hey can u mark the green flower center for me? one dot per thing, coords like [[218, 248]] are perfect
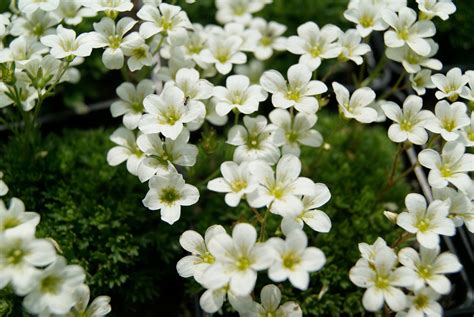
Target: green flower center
[[293, 94], [446, 171], [421, 301], [114, 41], [208, 258], [425, 272], [315, 51], [292, 136], [381, 281], [169, 195], [290, 260], [404, 34], [449, 125], [51, 284], [238, 185], [266, 40], [423, 224], [252, 142], [10, 222], [15, 256], [406, 125], [38, 29], [243, 263], [366, 21], [277, 192], [139, 52], [412, 58], [137, 106]]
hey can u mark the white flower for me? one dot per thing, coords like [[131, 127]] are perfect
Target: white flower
[[314, 44], [311, 216], [411, 61], [449, 119], [367, 16], [351, 46], [168, 193], [15, 218], [294, 131], [468, 92], [109, 6], [55, 289], [212, 299], [161, 154], [467, 133], [236, 182], [238, 94], [109, 35], [238, 258], [269, 37], [127, 150], [72, 12], [298, 92], [254, 141], [138, 52], [223, 53], [20, 255], [3, 187], [29, 6], [65, 44], [439, 8], [461, 208], [383, 281], [409, 123], [295, 260], [187, 79], [426, 223], [237, 10], [168, 112], [368, 252], [451, 166], [357, 105], [99, 307], [131, 103], [200, 259], [421, 80], [23, 50], [280, 190], [36, 24], [44, 72], [4, 23], [406, 30], [423, 302], [169, 20], [27, 97], [451, 85], [270, 297], [430, 267]]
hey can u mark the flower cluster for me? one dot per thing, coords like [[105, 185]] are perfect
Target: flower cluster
[[32, 268]]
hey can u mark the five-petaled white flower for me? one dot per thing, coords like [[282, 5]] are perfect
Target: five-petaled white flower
[[450, 85], [430, 267], [238, 258], [254, 141], [109, 35], [314, 44], [280, 190], [238, 94], [162, 155], [294, 131], [357, 105], [20, 256], [299, 91], [237, 181], [15, 217], [200, 258], [461, 208], [294, 260], [351, 46], [127, 150], [367, 16], [111, 7], [451, 166], [270, 297], [64, 43], [421, 80], [223, 53], [194, 88], [269, 38], [131, 103], [407, 31], [436, 8], [168, 112], [426, 223], [409, 123], [168, 20], [54, 291], [411, 61], [383, 281], [168, 193], [138, 52], [99, 307], [449, 119], [310, 215]]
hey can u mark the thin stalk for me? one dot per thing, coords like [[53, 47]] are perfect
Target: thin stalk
[[378, 68], [395, 87], [264, 222]]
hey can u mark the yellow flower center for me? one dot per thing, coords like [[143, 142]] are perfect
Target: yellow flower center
[[421, 301], [406, 125], [423, 224], [446, 171], [293, 94], [425, 272], [243, 263], [114, 41], [290, 260], [366, 21], [169, 195], [381, 281], [238, 185]]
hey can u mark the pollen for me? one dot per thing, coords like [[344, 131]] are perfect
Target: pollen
[[243, 263], [238, 185], [290, 261], [381, 281]]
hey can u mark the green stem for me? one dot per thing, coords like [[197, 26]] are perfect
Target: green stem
[[159, 45], [395, 87], [261, 237], [378, 68]]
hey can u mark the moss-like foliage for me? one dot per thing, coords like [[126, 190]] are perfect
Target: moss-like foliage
[[95, 214]]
